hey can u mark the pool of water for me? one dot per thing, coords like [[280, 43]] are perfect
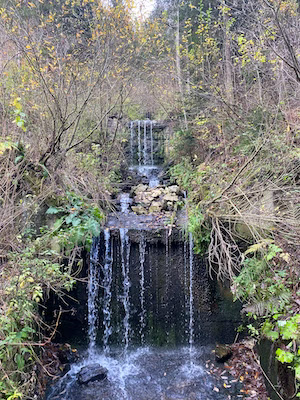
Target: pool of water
[[150, 374]]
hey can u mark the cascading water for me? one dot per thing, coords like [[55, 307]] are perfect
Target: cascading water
[[144, 150], [125, 254], [142, 250], [185, 279], [191, 302], [131, 141], [146, 154], [93, 291], [125, 202], [167, 277], [146, 290], [139, 144], [107, 282], [151, 143]]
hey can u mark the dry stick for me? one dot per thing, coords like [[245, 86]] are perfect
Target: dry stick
[[237, 175], [266, 376], [55, 328]]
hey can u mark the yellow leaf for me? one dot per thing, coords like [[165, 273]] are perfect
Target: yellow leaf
[[258, 246], [285, 256]]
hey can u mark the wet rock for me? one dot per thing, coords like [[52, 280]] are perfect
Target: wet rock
[[169, 206], [223, 352], [139, 209], [156, 207], [66, 354], [171, 197], [144, 198], [157, 192], [173, 189], [91, 373], [140, 188]]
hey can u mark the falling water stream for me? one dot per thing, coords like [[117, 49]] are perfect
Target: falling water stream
[[191, 302], [148, 311], [93, 295], [107, 282], [142, 251], [125, 252], [139, 144]]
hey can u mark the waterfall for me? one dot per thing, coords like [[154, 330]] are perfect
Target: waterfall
[[167, 278], [93, 291], [185, 278], [125, 202], [151, 141], [131, 141], [142, 250], [107, 283], [139, 144], [145, 144], [191, 324], [125, 254]]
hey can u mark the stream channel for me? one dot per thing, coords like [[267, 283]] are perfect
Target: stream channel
[[153, 314]]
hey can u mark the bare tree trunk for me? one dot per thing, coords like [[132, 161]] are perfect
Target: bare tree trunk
[[178, 68], [227, 55], [259, 84], [188, 80]]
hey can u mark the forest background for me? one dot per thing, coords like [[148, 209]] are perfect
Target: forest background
[[225, 74]]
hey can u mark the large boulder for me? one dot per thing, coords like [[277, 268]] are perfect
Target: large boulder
[[91, 373]]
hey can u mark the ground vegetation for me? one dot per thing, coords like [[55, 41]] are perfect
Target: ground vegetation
[[223, 74]]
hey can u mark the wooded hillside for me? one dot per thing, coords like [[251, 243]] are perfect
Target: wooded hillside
[[223, 74]]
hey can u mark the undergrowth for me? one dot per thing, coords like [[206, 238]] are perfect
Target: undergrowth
[[245, 198], [44, 263], [269, 287]]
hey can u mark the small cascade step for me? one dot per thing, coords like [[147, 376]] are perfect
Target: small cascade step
[[146, 142]]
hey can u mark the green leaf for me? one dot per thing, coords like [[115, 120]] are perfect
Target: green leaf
[[20, 362], [297, 372], [97, 213], [257, 246], [268, 331], [284, 356], [18, 159], [15, 395], [69, 219], [76, 221], [289, 330], [58, 223], [53, 210]]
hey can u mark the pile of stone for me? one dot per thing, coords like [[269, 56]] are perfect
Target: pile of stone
[[155, 200]]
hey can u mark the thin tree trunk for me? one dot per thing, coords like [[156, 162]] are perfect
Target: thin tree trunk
[[227, 54], [178, 68]]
